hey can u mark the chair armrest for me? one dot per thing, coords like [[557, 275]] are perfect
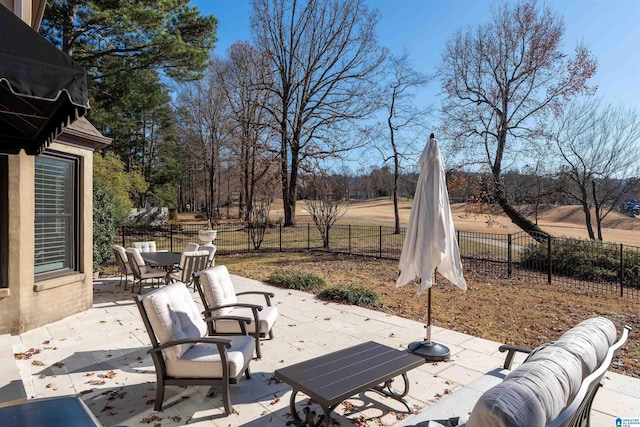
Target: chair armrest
[[254, 309], [242, 321], [267, 295], [239, 304], [207, 340], [511, 350]]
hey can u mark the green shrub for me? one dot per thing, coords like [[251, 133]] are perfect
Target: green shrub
[[583, 259], [104, 225], [351, 294], [295, 279]]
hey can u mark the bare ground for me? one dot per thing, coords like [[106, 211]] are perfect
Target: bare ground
[[495, 309]]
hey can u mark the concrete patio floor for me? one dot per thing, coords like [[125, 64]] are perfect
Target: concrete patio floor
[[100, 355]]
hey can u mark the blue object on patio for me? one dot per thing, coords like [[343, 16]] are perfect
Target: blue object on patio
[[65, 411]]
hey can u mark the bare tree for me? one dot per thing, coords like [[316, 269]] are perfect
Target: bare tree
[[259, 219], [323, 55], [599, 146], [327, 201], [402, 116], [246, 98], [203, 113], [501, 79]]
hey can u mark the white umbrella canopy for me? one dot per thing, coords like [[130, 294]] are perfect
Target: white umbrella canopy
[[430, 241]]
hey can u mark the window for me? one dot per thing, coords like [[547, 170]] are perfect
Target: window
[[56, 215]]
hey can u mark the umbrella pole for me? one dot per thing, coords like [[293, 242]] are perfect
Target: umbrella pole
[[428, 328], [430, 351]]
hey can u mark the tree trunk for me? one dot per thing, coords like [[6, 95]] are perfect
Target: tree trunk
[[284, 174], [597, 209], [518, 219], [396, 166]]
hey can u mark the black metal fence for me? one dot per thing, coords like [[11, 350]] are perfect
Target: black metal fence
[[594, 266]]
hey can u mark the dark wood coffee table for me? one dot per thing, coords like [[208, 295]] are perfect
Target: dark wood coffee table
[[334, 377]]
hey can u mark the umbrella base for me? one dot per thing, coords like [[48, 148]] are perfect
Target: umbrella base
[[431, 351]]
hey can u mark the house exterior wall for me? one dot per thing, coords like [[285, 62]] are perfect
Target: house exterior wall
[[27, 303]]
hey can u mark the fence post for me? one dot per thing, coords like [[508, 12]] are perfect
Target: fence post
[[380, 241], [509, 256], [280, 236], [171, 237], [549, 258], [123, 234], [621, 270], [349, 239], [308, 236]]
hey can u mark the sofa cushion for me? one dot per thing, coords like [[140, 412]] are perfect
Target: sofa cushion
[[537, 391], [566, 366], [508, 404], [174, 315], [589, 340]]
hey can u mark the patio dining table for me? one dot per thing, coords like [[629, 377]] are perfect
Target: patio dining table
[[165, 260]]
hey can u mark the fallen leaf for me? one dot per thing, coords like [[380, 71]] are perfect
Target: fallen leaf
[[150, 418], [109, 375]]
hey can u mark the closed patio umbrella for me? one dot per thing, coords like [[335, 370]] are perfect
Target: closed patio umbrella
[[430, 241]]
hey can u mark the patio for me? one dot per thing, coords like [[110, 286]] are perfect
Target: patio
[[100, 355]]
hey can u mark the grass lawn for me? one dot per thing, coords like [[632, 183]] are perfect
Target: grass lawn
[[509, 311]]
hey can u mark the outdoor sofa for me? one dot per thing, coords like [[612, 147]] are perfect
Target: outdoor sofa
[[554, 386]]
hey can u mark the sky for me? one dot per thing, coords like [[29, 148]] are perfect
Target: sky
[[609, 28]]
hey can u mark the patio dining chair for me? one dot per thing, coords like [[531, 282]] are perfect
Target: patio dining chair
[[211, 248], [190, 263], [219, 298], [145, 246], [122, 261], [191, 247], [141, 271], [182, 352]]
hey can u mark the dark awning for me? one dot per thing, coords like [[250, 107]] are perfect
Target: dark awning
[[41, 88]]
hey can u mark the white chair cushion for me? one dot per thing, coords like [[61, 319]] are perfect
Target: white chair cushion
[[203, 360], [508, 404], [136, 256], [211, 249], [218, 289], [123, 257], [174, 315], [145, 246], [266, 318], [190, 247]]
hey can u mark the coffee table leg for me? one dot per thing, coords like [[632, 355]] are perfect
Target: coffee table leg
[[309, 415], [387, 390]]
